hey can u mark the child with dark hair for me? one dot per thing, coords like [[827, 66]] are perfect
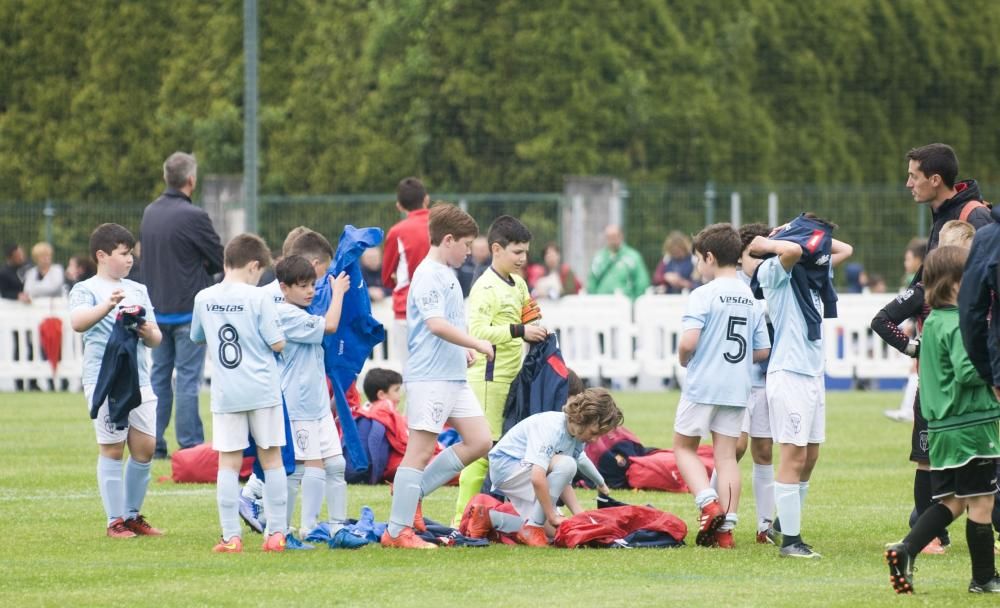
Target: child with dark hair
[[382, 384], [964, 436]]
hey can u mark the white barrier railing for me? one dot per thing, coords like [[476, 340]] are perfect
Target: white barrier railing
[[600, 337]]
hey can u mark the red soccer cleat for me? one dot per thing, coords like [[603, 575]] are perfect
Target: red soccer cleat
[[406, 540], [725, 540], [532, 536], [479, 524], [712, 516], [233, 545], [275, 543], [118, 529], [141, 527]]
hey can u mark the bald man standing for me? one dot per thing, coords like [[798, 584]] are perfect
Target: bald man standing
[[617, 268]]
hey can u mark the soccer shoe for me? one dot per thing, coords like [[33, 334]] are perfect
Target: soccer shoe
[[934, 548], [532, 536], [992, 586], [406, 540], [140, 527], [233, 545], [319, 534], [900, 568], [725, 540], [478, 524], [712, 516], [294, 544], [275, 543], [900, 415], [769, 536], [118, 529], [345, 539], [800, 551], [250, 512]]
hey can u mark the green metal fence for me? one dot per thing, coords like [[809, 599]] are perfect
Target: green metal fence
[[877, 220]]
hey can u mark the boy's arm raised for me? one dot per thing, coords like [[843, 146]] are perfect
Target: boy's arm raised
[[338, 287], [839, 252], [788, 252], [83, 319]]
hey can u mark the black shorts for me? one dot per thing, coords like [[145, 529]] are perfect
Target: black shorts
[[978, 477], [918, 438]]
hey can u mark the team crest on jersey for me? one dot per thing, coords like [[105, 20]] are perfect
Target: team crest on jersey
[[302, 439], [796, 422], [430, 299], [923, 441], [546, 451], [906, 295], [823, 260]]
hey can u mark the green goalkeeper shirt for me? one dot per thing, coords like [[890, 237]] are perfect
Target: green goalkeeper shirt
[[960, 408], [494, 307]]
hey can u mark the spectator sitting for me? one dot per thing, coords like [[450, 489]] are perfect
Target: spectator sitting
[[558, 279], [12, 274], [676, 271], [79, 268], [617, 268], [44, 279], [474, 264], [857, 279], [876, 284], [371, 270]]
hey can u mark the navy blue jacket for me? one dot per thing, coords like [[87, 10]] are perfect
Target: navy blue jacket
[[346, 350], [118, 378], [979, 294], [811, 272], [541, 386]]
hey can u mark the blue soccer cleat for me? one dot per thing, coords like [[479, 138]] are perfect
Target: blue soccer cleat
[[294, 544], [319, 534], [345, 539], [250, 511]]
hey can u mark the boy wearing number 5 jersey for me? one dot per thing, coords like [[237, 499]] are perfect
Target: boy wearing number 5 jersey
[[724, 334], [241, 326]]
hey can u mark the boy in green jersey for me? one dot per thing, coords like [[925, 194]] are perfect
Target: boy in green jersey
[[495, 307]]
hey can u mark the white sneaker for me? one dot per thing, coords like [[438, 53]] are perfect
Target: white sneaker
[[899, 415]]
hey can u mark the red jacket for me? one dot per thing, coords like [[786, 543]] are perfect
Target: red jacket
[[604, 526], [396, 432], [406, 245]]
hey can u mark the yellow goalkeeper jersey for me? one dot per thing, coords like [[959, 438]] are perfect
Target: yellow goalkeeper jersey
[[494, 305]]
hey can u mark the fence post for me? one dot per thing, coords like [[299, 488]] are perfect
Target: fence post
[[250, 141], [49, 212], [709, 202], [735, 210], [772, 209]]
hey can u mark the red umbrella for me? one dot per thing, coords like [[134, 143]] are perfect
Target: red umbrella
[[50, 333]]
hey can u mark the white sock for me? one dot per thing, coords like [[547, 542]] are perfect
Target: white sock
[[136, 482], [336, 492], [313, 488], [803, 491], [505, 522], [729, 523], [292, 491], [276, 497], [405, 496], [227, 492], [763, 493], [705, 496], [109, 482], [440, 471], [786, 497]]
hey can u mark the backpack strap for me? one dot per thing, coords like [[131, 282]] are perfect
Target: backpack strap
[[968, 208]]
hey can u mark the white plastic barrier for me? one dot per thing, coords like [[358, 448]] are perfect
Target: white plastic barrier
[[598, 336]]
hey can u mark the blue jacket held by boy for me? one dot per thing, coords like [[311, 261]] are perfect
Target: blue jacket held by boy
[[346, 350], [541, 386], [811, 272], [118, 379]]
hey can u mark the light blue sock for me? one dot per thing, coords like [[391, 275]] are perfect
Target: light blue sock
[[730, 523], [803, 491], [227, 495], [313, 488], [440, 471], [136, 482], [704, 497], [109, 482], [563, 471], [405, 496], [336, 492], [275, 500], [789, 507], [505, 522], [292, 492]]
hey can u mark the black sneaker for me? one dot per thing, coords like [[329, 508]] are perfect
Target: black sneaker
[[799, 550], [900, 568], [992, 586]]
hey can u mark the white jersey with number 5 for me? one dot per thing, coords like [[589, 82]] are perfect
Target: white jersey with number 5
[[239, 322], [732, 327]]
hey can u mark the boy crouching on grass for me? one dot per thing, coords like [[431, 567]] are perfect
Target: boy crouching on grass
[[241, 326], [725, 334], [535, 462], [963, 433], [94, 306]]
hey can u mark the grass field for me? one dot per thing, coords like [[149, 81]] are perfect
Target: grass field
[[57, 554]]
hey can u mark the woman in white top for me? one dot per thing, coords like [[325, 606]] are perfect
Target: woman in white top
[[45, 279]]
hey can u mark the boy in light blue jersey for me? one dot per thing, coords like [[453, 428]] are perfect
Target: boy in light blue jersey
[[240, 324], [795, 389], [93, 306], [440, 350], [724, 334], [535, 462], [319, 463]]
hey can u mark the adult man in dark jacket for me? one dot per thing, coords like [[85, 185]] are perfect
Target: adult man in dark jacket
[[180, 253]]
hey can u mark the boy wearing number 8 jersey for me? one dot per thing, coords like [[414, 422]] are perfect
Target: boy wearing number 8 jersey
[[724, 334], [241, 326]]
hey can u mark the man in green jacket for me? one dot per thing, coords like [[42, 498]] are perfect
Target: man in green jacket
[[617, 268]]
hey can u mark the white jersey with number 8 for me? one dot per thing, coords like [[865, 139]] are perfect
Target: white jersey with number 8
[[239, 322]]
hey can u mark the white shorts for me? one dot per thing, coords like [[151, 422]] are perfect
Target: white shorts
[[230, 430], [431, 403], [519, 490], [797, 407], [701, 419], [757, 423], [316, 439], [142, 418]]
